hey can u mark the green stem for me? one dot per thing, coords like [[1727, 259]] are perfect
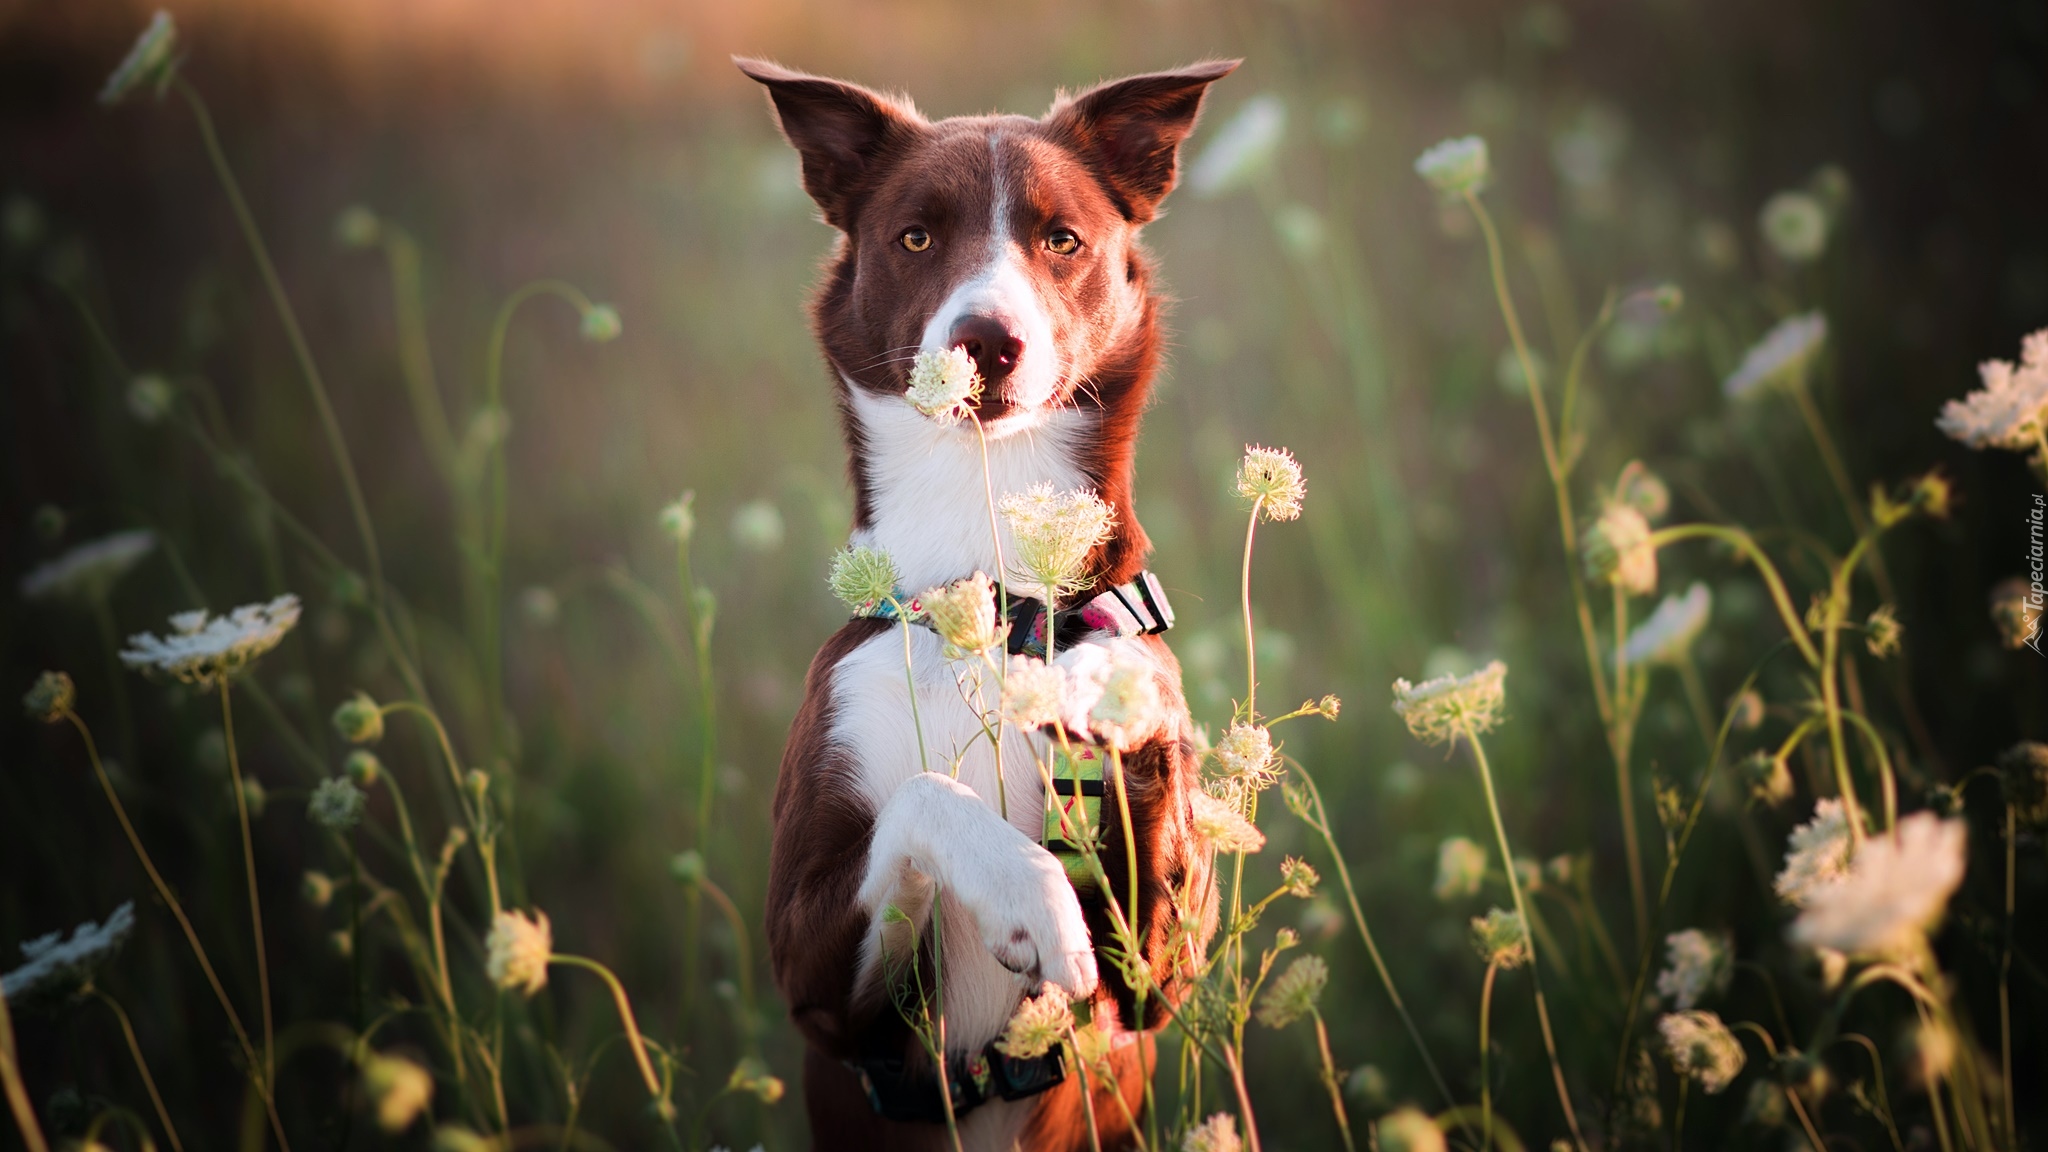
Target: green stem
[[742, 948], [2012, 1131], [995, 535], [1251, 656], [17, 1092], [156, 1098], [633, 1038], [1336, 1090], [1486, 1076], [227, 724], [1741, 541], [910, 684], [1500, 832]]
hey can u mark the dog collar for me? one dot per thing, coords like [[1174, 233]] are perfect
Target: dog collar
[[1139, 608]]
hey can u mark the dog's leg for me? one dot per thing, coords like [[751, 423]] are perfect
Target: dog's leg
[[936, 830]]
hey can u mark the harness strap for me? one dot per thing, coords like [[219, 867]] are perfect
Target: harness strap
[[899, 1092], [1139, 608]]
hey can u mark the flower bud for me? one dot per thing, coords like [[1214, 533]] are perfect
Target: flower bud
[[687, 867], [50, 697], [318, 888], [363, 767], [359, 719], [601, 324]]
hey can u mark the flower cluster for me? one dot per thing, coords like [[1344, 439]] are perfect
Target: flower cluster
[[1897, 886], [52, 695], [336, 804], [1816, 854], [1701, 1046], [1439, 710], [1668, 635], [1294, 993], [1699, 965], [517, 951], [1216, 1134], [964, 615], [88, 572], [1271, 479], [1246, 751], [1781, 356], [56, 963], [2011, 410], [205, 650], [1617, 550], [1501, 938], [944, 385], [1455, 167], [862, 577], [1039, 1023], [1054, 533], [401, 1090], [1223, 825]]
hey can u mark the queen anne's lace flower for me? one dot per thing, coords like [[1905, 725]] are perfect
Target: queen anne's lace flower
[[88, 572], [1054, 533], [56, 963], [1131, 707], [1617, 550], [964, 615], [1702, 1047], [1216, 1134], [1294, 993], [1795, 225], [1897, 886], [1455, 167], [1700, 965], [517, 951], [1668, 634], [1271, 477], [1034, 692], [1299, 877], [1460, 866], [1438, 710], [1501, 938], [1246, 751], [1816, 854], [1780, 355], [1224, 826], [336, 805], [944, 385], [204, 650], [862, 577], [1039, 1023], [2011, 410]]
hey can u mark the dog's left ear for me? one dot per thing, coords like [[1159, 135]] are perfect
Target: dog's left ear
[[1132, 129]]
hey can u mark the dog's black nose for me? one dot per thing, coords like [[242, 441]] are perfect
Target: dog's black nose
[[994, 349]]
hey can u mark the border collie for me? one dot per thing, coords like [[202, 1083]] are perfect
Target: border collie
[[1016, 240]]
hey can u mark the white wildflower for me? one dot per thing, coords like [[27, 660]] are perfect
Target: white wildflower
[[153, 60], [1699, 965], [1271, 477], [336, 804], [944, 385], [1216, 1134], [518, 949], [1795, 226], [1781, 355], [1131, 707], [1246, 751], [1054, 533], [2011, 410], [204, 650], [862, 577], [1897, 887], [1241, 149], [56, 963], [1617, 550], [1294, 993], [1668, 634], [1438, 710], [1816, 854], [1455, 167], [88, 572], [964, 615], [1034, 692], [1702, 1047], [399, 1088], [1223, 825], [1039, 1023], [1460, 866]]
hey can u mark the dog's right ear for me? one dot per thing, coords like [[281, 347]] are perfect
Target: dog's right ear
[[842, 131]]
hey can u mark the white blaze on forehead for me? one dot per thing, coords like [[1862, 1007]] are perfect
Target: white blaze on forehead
[[1001, 287]]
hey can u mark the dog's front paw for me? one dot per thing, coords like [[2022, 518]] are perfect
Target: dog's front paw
[[1031, 922]]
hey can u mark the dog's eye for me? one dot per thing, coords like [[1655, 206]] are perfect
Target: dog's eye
[[1063, 241], [916, 239]]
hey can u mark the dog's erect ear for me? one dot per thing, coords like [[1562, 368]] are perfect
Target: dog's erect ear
[[842, 131], [1131, 130]]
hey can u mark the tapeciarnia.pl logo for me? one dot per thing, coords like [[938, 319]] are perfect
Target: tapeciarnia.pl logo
[[2037, 574]]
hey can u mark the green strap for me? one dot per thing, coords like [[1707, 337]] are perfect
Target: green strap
[[1073, 808]]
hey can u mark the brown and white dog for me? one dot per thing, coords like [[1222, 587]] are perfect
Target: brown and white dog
[[1017, 240]]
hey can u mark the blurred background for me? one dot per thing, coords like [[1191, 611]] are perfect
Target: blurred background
[[1324, 301]]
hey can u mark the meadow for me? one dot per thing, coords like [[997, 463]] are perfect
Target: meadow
[[1624, 691]]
